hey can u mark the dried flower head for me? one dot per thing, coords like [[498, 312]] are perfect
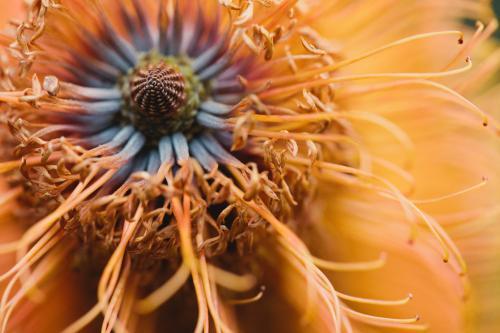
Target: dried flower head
[[176, 147]]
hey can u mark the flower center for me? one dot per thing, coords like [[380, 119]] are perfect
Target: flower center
[[158, 90], [161, 96]]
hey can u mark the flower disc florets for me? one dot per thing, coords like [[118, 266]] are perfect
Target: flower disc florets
[[161, 96]]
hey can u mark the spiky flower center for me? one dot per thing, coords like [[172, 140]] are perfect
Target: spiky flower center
[[158, 90], [161, 96]]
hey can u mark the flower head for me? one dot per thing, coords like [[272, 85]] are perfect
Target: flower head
[[178, 146]]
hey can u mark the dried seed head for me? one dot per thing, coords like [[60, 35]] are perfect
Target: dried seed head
[[158, 89]]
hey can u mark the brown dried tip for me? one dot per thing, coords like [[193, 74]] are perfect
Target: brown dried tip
[[158, 89], [51, 85]]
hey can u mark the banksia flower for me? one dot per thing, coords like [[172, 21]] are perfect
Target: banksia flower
[[201, 163]]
